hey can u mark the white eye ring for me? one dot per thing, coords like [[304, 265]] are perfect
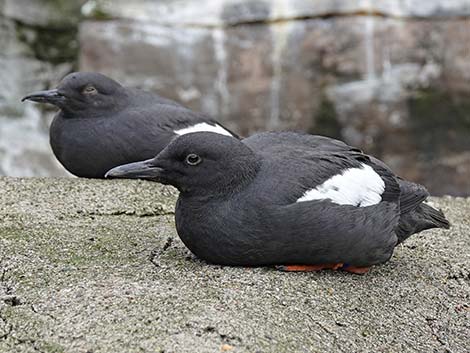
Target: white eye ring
[[193, 159], [89, 90]]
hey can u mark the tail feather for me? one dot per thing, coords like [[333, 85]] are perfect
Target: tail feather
[[422, 218], [436, 217]]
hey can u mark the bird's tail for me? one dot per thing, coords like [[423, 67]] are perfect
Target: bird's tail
[[421, 218]]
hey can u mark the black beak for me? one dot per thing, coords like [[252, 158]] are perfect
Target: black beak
[[139, 170], [52, 96]]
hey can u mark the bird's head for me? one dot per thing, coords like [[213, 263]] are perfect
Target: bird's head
[[82, 92], [200, 163]]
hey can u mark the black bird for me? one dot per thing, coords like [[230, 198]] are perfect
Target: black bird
[[300, 201], [102, 124]]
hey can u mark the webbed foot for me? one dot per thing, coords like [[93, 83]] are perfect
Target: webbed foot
[[311, 268]]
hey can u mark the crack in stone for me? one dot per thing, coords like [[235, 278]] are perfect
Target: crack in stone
[[31, 341], [149, 213], [6, 324], [7, 295], [9, 334], [323, 327], [225, 338], [11, 300], [8, 298], [3, 276], [156, 253], [34, 310], [323, 16], [5, 291], [429, 322]]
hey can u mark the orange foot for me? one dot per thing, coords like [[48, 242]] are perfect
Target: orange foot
[[356, 270], [310, 268]]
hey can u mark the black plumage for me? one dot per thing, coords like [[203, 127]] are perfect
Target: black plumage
[[102, 124], [286, 198]]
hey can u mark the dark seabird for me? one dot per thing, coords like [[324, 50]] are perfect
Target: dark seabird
[[102, 124], [299, 201]]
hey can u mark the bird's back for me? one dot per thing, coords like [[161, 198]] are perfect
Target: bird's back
[[299, 155], [275, 142], [146, 98]]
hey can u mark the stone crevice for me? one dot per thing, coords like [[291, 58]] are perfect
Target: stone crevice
[[155, 254], [4, 334], [225, 338], [134, 213], [323, 16], [430, 323], [6, 327], [6, 289], [322, 326], [30, 341], [287, 19], [36, 311]]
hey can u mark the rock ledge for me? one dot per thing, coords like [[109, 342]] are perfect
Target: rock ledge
[[96, 266]]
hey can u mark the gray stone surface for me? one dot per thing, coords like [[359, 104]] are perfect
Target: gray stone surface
[[76, 276]]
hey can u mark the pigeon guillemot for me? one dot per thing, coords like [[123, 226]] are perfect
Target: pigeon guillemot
[[102, 124], [300, 201]]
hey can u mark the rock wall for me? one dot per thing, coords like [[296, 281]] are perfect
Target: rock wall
[[391, 77], [38, 41]]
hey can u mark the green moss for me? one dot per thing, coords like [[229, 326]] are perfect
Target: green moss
[[69, 12], [326, 120], [54, 41], [99, 14], [96, 11], [440, 121], [55, 46], [51, 347], [10, 233]]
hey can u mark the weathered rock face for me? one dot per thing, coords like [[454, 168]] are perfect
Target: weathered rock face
[[390, 77], [39, 46]]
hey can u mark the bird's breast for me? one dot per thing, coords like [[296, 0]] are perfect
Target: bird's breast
[[215, 232]]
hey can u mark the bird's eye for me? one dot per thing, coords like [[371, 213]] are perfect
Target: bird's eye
[[89, 90], [193, 159]]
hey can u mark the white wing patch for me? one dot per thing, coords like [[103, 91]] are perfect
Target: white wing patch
[[355, 186], [203, 127]]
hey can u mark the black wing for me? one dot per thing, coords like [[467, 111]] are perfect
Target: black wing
[[269, 142], [169, 117]]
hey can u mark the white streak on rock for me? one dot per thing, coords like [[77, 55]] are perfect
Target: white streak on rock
[[369, 46], [280, 35], [218, 36]]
